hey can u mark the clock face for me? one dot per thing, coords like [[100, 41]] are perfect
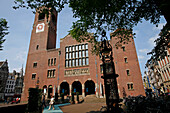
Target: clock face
[[40, 28]]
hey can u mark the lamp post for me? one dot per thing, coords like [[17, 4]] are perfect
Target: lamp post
[[109, 76]]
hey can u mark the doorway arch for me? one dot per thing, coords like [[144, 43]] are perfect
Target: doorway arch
[[89, 87], [77, 87], [50, 91], [64, 88]]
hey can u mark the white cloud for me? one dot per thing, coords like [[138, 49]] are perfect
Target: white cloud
[[21, 56], [152, 39], [141, 57], [143, 50], [160, 26]]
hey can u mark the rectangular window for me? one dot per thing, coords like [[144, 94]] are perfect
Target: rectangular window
[[123, 48], [35, 64], [86, 46], [66, 49], [125, 60], [76, 62], [79, 54], [54, 73], [66, 65], [69, 55], [84, 63], [130, 86], [54, 61], [51, 61], [80, 62], [76, 48], [73, 62], [83, 46], [127, 72], [76, 51], [76, 54], [79, 47], [87, 61], [73, 55], [73, 47], [33, 76], [83, 53], [69, 63], [87, 53], [70, 49], [66, 55]]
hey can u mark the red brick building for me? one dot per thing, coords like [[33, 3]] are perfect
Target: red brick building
[[72, 67]]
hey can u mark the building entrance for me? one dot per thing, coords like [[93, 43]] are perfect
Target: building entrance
[[64, 88], [77, 87], [89, 87], [50, 91]]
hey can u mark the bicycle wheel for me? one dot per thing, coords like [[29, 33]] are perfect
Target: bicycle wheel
[[103, 109]]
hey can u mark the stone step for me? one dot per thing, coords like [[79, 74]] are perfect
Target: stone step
[[93, 99]]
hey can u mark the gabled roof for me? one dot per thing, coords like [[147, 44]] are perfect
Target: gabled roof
[[1, 63]]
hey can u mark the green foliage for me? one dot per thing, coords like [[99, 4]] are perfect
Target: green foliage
[[104, 15], [34, 100], [161, 47], [3, 31]]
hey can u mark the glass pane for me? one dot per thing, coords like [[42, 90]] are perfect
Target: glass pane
[[87, 61], [86, 46], [87, 53], [83, 53], [66, 49], [76, 62], [79, 47], [73, 47], [80, 62], [66, 63], [66, 55], [73, 62], [79, 54], [73, 55], [76, 54], [83, 46], [84, 63], [69, 63], [76, 48], [70, 48], [69, 55]]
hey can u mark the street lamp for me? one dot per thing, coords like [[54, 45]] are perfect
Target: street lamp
[[109, 76]]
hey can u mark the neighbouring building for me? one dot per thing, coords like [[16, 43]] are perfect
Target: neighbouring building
[[4, 73], [10, 86], [19, 82], [72, 67], [14, 84]]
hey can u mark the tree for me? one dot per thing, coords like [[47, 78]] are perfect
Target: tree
[[161, 47], [105, 15], [3, 31]]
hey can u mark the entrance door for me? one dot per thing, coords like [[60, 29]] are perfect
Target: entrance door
[[77, 87], [89, 87]]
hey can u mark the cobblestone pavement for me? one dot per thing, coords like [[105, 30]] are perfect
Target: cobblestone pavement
[[83, 108]]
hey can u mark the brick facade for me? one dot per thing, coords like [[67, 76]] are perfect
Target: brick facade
[[49, 65]]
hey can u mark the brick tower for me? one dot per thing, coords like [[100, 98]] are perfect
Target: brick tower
[[43, 38]]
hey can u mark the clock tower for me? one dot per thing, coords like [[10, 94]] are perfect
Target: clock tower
[[43, 40], [44, 32]]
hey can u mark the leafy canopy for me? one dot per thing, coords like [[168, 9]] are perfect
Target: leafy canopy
[[104, 15], [3, 31]]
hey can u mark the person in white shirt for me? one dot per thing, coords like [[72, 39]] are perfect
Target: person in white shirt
[[51, 103]]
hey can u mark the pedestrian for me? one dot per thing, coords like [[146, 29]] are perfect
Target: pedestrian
[[51, 102], [43, 101]]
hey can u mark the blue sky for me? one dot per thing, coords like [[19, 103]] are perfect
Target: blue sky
[[21, 21]]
